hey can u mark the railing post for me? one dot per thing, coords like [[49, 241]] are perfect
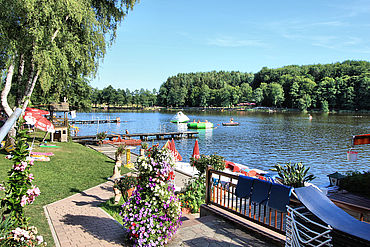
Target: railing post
[[208, 184]]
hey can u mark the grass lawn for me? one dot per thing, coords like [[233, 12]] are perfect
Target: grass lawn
[[113, 209], [72, 169]]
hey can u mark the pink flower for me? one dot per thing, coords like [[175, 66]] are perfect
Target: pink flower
[[32, 194], [31, 163], [40, 239], [21, 166], [30, 177], [2, 187], [24, 201]]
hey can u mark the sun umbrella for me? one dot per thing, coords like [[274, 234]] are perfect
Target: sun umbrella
[[31, 117], [174, 151], [38, 121], [167, 145], [196, 154], [37, 111], [44, 125]]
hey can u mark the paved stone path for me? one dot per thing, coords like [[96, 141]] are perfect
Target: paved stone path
[[210, 231], [77, 221]]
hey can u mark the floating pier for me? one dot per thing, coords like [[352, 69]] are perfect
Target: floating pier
[[95, 121], [143, 136]]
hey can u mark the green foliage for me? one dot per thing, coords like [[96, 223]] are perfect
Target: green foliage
[[195, 190], [343, 85], [215, 161], [18, 192], [62, 42], [294, 175], [124, 184], [120, 150], [356, 182], [101, 136], [144, 145], [194, 194]]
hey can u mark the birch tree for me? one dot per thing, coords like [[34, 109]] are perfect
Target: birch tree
[[51, 44]]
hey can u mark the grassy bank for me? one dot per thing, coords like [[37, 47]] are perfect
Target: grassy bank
[[72, 169]]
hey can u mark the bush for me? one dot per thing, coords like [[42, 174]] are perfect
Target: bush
[[124, 184], [194, 194], [215, 161], [356, 182], [294, 175]]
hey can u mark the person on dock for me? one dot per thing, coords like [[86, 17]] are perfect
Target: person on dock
[[127, 133]]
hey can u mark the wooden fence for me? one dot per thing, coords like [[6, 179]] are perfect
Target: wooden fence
[[220, 191]]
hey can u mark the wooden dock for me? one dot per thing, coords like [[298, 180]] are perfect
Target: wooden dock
[[145, 136], [96, 121]]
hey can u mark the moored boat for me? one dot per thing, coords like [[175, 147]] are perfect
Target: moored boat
[[231, 124], [200, 125], [180, 118]]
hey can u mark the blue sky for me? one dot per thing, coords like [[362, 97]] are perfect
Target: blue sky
[[159, 39]]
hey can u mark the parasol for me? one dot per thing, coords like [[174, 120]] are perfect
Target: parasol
[[196, 154], [176, 154], [37, 111]]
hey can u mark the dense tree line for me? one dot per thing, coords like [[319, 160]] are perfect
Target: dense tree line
[[120, 97], [343, 85]]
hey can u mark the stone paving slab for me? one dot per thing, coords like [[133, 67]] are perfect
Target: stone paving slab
[[78, 221], [210, 231]]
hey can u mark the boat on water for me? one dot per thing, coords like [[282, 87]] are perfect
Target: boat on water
[[180, 118], [231, 124], [200, 125]]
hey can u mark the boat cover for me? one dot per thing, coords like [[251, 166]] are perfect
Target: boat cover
[[321, 206]]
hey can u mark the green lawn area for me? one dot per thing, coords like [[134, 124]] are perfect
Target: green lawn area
[[72, 169]]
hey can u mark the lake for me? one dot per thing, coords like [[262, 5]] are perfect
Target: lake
[[261, 140]]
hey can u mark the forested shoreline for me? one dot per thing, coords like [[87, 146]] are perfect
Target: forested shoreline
[[327, 87], [340, 86]]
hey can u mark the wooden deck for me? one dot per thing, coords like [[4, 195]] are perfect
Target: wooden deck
[[96, 121], [357, 206], [146, 136]]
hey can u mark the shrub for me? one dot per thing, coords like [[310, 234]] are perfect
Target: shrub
[[194, 194], [215, 161], [152, 214], [294, 175], [195, 191], [19, 191], [356, 182], [124, 184]]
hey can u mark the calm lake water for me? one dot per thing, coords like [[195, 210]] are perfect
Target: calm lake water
[[261, 140]]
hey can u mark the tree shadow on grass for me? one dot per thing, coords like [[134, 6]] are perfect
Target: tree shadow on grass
[[100, 227]]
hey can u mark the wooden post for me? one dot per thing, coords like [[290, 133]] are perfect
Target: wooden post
[[208, 184]]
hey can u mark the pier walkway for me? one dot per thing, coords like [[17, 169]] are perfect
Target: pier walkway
[[145, 136]]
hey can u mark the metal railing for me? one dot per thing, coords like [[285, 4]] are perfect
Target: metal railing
[[220, 191]]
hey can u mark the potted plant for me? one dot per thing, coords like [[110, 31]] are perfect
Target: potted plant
[[144, 146], [193, 195], [294, 175], [126, 185], [101, 136], [119, 152]]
